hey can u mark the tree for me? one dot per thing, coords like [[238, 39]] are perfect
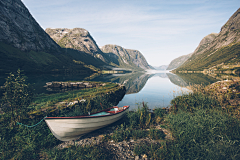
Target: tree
[[17, 95]]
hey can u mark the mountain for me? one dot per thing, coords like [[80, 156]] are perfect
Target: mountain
[[25, 45], [204, 43], [200, 48], [125, 58], [78, 39], [223, 51], [81, 40], [178, 61], [162, 67], [19, 29]]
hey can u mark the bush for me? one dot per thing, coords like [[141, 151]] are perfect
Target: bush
[[17, 96]]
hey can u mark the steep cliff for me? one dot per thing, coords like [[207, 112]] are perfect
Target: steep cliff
[[25, 45], [77, 38], [223, 50], [19, 29], [125, 58]]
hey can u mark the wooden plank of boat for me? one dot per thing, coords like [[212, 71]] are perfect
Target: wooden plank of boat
[[71, 128]]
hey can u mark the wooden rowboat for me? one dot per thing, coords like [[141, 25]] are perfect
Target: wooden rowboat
[[71, 128]]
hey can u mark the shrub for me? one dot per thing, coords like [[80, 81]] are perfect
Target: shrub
[[17, 95]]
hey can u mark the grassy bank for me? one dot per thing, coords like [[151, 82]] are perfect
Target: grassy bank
[[201, 125]]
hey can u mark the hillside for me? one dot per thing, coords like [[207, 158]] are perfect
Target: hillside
[[200, 48], [222, 52], [81, 40], [25, 45], [125, 58], [19, 29], [178, 61]]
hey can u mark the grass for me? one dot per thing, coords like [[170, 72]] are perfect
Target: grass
[[201, 128], [49, 102], [204, 134], [78, 153], [20, 142], [138, 124], [227, 55]]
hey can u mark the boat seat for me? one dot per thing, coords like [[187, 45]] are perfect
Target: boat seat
[[100, 114]]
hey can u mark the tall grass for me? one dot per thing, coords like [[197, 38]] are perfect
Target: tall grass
[[138, 124], [204, 134]]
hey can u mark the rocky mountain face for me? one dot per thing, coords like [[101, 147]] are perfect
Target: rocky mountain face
[[205, 42], [178, 61], [220, 49], [25, 45], [126, 58], [81, 40], [77, 38], [19, 29]]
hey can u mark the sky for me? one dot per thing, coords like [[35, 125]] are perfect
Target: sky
[[161, 30]]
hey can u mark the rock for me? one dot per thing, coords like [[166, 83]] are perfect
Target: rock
[[125, 57], [144, 156], [89, 86], [76, 38], [19, 28], [64, 85]]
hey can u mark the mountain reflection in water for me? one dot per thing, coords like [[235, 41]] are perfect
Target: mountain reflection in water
[[156, 89]]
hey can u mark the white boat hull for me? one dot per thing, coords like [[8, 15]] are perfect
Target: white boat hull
[[71, 128]]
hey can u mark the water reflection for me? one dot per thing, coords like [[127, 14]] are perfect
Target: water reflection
[[157, 92], [133, 82], [157, 89]]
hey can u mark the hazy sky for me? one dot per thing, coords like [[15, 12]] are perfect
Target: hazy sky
[[160, 29]]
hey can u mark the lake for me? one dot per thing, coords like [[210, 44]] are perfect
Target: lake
[[156, 88]]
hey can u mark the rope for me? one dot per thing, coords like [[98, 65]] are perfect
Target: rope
[[32, 125]]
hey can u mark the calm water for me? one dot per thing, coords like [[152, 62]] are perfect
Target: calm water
[[155, 89], [157, 92]]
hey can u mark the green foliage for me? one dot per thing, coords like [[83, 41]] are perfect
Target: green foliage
[[136, 125], [212, 58], [19, 142], [17, 96], [12, 58], [93, 96], [78, 153], [193, 102], [206, 134], [100, 102], [156, 134], [152, 150], [145, 116]]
